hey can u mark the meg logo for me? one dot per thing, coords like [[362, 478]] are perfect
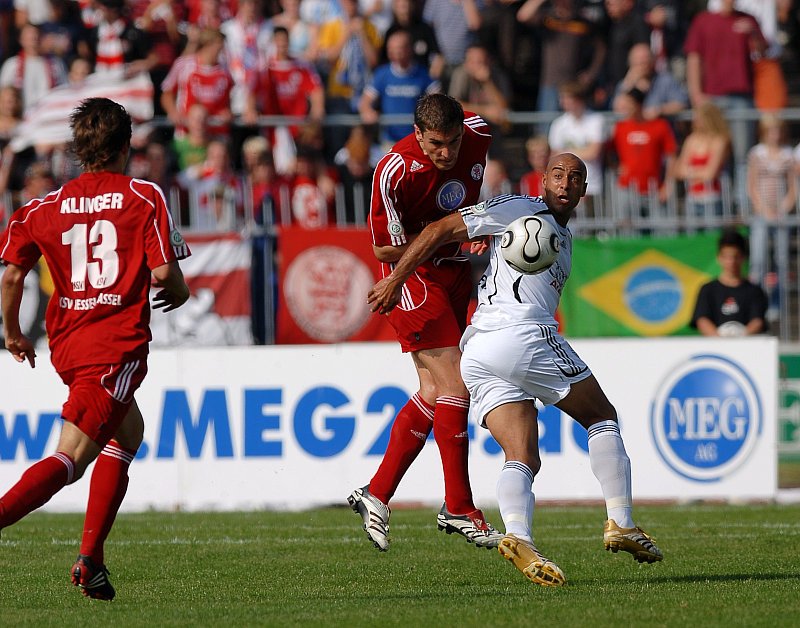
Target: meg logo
[[706, 418]]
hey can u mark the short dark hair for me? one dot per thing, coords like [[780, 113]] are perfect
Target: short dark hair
[[732, 237], [101, 130], [438, 112]]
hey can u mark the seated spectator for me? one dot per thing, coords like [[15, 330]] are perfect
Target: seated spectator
[[482, 87], [30, 71], [261, 183], [645, 150], [214, 190], [191, 147], [730, 305], [313, 190], [702, 159], [581, 131], [495, 180], [537, 152], [772, 190], [664, 96], [39, 182], [395, 88]]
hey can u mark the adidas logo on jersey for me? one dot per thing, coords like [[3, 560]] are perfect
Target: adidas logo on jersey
[[415, 165]]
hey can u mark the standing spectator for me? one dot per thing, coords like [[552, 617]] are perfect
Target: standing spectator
[[702, 159], [435, 171], [395, 88], [161, 20], [64, 34], [456, 24], [379, 12], [572, 48], [349, 46], [312, 190], [200, 79], [39, 180], [248, 44], [31, 72], [302, 35], [116, 45], [537, 151], [665, 20], [730, 305], [788, 36], [348, 49], [100, 417], [625, 27], [423, 40], [32, 12], [204, 14], [581, 132], [664, 96], [515, 46], [645, 151], [719, 51], [10, 112], [482, 86], [356, 165], [771, 187], [287, 87]]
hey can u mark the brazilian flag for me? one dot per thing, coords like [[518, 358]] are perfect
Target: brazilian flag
[[636, 287]]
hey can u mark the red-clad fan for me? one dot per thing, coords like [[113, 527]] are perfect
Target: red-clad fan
[[200, 79], [103, 236], [427, 175]]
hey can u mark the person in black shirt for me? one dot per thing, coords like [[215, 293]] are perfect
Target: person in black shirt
[[730, 305]]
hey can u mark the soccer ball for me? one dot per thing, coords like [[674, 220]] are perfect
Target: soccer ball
[[530, 245]]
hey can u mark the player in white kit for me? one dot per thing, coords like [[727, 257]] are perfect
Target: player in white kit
[[514, 355]]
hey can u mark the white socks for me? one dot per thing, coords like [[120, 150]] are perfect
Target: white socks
[[612, 467], [515, 498]]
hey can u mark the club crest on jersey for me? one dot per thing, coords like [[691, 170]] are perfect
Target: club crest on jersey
[[395, 227], [451, 195], [477, 172], [176, 238]]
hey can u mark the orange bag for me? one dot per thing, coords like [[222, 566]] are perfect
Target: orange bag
[[769, 86]]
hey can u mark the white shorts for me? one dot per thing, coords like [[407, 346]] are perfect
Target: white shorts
[[516, 364]]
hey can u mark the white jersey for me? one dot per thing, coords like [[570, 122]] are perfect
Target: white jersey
[[506, 297]]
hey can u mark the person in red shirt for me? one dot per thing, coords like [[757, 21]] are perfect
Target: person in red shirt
[[103, 235], [430, 173], [201, 80], [645, 152]]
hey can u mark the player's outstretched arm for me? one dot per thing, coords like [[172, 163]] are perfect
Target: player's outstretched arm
[[385, 294], [174, 291], [11, 288]]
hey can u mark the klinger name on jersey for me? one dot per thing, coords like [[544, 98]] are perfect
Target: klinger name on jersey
[[91, 204]]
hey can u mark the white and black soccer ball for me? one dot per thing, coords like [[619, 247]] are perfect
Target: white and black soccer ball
[[530, 245]]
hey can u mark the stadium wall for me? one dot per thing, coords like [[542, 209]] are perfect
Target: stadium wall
[[294, 427]]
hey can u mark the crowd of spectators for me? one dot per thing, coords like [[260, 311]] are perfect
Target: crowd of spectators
[[218, 67]]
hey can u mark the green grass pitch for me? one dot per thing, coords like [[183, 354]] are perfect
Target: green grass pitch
[[724, 566]]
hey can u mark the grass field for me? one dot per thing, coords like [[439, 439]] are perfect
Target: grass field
[[724, 566]]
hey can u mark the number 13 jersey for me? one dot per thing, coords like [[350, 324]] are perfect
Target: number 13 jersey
[[101, 234]]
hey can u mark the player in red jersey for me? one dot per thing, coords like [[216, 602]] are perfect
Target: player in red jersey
[[427, 175], [102, 235]]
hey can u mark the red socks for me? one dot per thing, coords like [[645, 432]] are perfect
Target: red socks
[[450, 431], [407, 438], [35, 488], [106, 492]]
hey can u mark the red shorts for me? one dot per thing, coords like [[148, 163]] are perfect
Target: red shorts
[[100, 396], [432, 313]]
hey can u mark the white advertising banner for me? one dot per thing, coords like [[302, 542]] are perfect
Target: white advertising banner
[[293, 427]]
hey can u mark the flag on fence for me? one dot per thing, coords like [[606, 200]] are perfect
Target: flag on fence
[[48, 121], [218, 312], [636, 287]]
